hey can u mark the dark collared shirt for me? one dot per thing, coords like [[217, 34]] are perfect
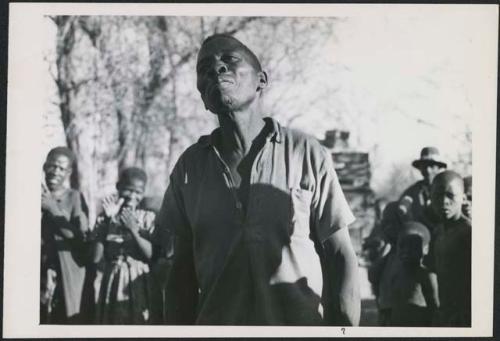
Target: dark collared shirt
[[452, 260], [259, 265], [415, 205]]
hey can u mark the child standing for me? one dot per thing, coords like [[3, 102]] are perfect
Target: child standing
[[381, 273], [414, 286], [123, 237], [452, 251]]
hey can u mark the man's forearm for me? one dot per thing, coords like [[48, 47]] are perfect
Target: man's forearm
[[342, 267], [349, 307]]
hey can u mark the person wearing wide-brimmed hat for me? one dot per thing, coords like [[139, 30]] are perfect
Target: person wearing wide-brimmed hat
[[414, 203]]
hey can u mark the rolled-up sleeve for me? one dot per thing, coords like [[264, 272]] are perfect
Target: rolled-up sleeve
[[330, 210], [171, 221]]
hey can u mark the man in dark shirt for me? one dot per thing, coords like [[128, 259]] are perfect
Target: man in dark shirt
[[260, 219], [415, 202]]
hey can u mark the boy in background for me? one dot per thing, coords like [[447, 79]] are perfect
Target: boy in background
[[414, 287], [381, 273], [452, 251], [123, 238]]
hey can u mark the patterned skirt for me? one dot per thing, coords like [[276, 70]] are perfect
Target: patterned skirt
[[126, 295]]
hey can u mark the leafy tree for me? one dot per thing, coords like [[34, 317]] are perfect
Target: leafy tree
[[126, 87]]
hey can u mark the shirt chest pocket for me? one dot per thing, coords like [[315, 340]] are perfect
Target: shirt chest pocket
[[300, 212]]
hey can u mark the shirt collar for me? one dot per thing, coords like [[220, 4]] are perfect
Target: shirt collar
[[209, 140], [274, 134]]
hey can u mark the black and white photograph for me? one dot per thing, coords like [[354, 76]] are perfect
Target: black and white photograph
[[176, 167]]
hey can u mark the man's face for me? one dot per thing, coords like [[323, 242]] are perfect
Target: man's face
[[226, 77], [57, 170], [447, 198], [429, 171]]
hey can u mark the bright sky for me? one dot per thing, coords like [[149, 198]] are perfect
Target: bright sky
[[393, 70], [397, 69]]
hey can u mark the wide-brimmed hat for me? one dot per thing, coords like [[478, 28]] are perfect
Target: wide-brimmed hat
[[429, 155]]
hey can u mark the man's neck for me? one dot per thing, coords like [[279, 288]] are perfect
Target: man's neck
[[57, 191], [238, 130]]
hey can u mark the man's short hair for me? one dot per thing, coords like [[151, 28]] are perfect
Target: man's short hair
[[255, 61], [132, 173], [64, 151]]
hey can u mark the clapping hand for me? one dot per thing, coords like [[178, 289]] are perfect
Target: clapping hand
[[111, 205], [129, 220], [49, 203]]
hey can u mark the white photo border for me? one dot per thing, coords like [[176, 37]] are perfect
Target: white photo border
[[26, 100]]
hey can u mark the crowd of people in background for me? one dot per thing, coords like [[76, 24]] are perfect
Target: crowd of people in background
[[261, 229], [421, 265], [119, 247], [421, 275]]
